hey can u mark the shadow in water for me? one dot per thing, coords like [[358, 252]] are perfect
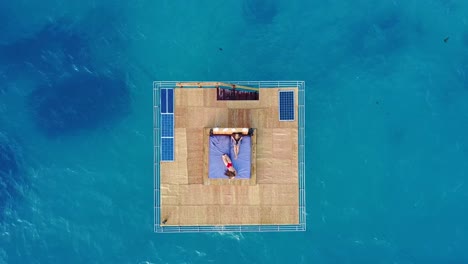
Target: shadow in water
[[259, 11], [80, 101], [10, 173], [57, 48]]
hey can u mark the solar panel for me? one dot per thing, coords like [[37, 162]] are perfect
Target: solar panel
[[167, 100], [286, 105], [167, 149], [163, 100], [167, 124], [170, 100]]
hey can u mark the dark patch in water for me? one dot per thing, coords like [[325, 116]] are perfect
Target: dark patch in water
[[389, 21], [58, 47], [382, 34], [6, 21], [9, 173], [78, 102], [8, 165], [3, 83], [259, 11], [465, 39]]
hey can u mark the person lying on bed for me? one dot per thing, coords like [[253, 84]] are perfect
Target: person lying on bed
[[236, 139], [230, 172]]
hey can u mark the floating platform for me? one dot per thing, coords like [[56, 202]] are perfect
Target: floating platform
[[193, 123]]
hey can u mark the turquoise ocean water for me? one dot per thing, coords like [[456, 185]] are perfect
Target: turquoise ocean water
[[386, 119]]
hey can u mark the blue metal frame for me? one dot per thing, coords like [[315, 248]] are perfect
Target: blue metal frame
[[231, 228]]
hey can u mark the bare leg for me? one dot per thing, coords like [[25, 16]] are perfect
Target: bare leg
[[236, 151]]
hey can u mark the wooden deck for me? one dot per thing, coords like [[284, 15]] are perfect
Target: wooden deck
[[274, 199]]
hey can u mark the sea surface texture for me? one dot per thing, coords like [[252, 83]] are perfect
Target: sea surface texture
[[386, 120]]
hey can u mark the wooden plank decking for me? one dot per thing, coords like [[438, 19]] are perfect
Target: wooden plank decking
[[274, 199]]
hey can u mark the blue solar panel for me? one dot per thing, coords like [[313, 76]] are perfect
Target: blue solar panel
[[167, 149], [167, 101], [163, 101], [170, 100], [167, 125], [286, 105]]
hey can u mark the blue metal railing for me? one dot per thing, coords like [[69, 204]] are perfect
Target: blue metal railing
[[232, 228]]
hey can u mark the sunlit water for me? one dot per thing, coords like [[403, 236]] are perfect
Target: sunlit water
[[386, 118]]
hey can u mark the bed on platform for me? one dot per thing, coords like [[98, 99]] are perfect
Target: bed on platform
[[218, 142]]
